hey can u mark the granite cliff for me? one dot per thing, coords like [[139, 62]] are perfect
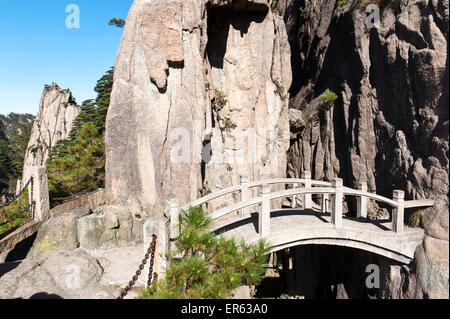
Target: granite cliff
[[53, 122], [196, 80], [389, 125]]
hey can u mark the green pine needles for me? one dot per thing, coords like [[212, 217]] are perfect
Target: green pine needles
[[328, 96], [12, 210], [206, 266], [76, 165]]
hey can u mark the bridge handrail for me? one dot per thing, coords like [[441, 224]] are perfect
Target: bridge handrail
[[288, 181], [235, 207], [212, 196], [355, 192], [419, 203], [238, 188], [310, 187], [301, 191]]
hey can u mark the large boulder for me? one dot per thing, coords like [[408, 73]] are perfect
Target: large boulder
[[109, 227], [70, 274], [58, 233]]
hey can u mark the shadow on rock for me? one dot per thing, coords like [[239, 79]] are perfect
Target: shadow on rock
[[44, 295]]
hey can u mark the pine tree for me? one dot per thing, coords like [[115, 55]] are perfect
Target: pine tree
[[103, 89], [5, 161], [77, 165], [206, 266], [15, 130], [120, 23], [80, 167]]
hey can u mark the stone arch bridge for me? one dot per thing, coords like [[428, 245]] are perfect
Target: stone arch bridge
[[255, 213], [256, 217]]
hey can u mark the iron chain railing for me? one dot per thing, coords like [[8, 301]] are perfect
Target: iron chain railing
[[16, 197], [150, 254], [29, 208]]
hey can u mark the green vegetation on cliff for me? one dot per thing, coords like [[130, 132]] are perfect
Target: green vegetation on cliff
[[77, 165], [15, 130], [14, 214], [206, 266]]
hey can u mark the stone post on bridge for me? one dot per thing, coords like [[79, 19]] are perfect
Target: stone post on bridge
[[307, 198], [325, 203], [361, 201], [399, 212], [336, 211], [173, 212], [244, 196], [38, 193], [264, 212], [294, 198]]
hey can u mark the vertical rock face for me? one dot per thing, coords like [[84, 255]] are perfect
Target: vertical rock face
[[197, 84], [389, 125], [53, 122]]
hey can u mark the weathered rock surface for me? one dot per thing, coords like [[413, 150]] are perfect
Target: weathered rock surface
[[389, 125], [54, 120], [58, 233], [109, 227], [90, 227], [248, 5], [70, 274], [192, 79]]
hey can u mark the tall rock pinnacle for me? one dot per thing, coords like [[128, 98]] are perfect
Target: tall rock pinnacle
[[53, 122]]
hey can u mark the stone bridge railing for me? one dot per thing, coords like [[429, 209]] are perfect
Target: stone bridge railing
[[333, 193]]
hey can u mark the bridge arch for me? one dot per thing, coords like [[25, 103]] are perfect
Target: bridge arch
[[311, 225]]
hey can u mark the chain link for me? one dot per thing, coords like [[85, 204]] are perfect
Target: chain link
[[150, 252], [22, 212], [16, 197]]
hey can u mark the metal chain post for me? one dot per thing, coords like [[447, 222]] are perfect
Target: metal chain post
[[16, 197], [150, 251], [152, 261]]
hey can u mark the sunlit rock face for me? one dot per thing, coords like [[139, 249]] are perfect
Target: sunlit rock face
[[196, 87], [57, 111], [389, 125]]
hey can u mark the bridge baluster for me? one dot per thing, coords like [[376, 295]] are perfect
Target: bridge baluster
[[399, 212], [361, 201], [264, 212], [294, 198], [244, 196], [174, 213], [307, 198], [336, 212], [325, 201]]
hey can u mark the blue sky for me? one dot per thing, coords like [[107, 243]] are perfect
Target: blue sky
[[37, 49]]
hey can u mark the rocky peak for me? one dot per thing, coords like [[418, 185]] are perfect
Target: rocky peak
[[57, 111]]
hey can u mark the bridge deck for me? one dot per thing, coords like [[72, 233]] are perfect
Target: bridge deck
[[291, 227]]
